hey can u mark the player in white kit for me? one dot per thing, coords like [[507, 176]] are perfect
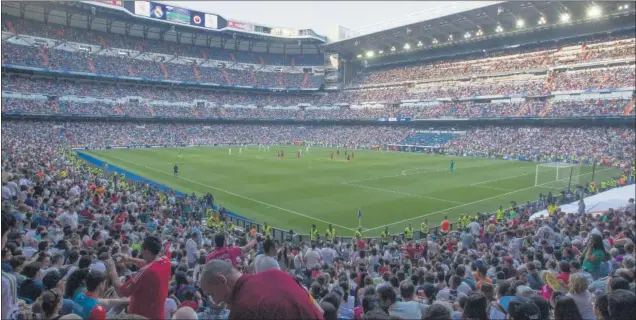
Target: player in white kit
[[230, 151]]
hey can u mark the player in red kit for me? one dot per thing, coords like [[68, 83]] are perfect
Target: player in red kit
[[348, 158], [338, 152]]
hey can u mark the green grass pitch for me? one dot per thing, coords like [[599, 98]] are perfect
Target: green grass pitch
[[391, 188]]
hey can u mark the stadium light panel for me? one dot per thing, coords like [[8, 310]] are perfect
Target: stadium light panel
[[594, 12], [499, 29], [419, 43], [381, 52], [565, 17], [435, 41], [359, 56], [407, 46], [542, 21], [520, 23], [467, 35], [370, 54], [450, 37], [392, 49], [479, 33]]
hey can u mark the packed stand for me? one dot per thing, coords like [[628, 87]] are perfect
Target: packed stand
[[590, 108], [591, 79], [77, 240], [616, 145]]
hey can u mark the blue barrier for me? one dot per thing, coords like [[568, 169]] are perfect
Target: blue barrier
[[131, 176]]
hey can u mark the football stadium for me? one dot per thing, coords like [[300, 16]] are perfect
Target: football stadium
[[155, 154]]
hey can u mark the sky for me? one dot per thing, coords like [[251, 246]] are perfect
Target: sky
[[322, 16]]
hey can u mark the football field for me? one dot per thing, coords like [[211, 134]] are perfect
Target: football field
[[390, 188]]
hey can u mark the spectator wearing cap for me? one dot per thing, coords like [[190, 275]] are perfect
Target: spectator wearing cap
[[272, 294]]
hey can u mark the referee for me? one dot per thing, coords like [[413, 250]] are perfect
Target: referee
[[176, 170]]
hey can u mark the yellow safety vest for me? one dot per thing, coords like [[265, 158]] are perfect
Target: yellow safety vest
[[267, 230], [424, 228], [500, 214], [231, 228], [358, 234], [385, 236], [313, 234], [331, 234], [408, 233]]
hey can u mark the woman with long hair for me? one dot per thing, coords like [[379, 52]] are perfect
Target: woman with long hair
[[578, 292], [51, 303], [475, 308], [565, 309], [593, 255]]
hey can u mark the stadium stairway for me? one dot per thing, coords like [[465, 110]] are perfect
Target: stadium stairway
[[118, 111], [305, 80], [279, 80], [131, 72], [102, 41], [227, 77], [545, 111], [254, 78], [548, 80], [150, 109], [55, 106], [588, 55], [165, 71], [45, 56], [629, 107], [11, 27], [262, 60], [233, 57], [197, 75], [91, 66], [293, 62], [523, 108], [148, 94]]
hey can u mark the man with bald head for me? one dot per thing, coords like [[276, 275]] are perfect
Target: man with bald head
[[272, 294]]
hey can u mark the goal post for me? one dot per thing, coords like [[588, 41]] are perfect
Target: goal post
[[557, 174]]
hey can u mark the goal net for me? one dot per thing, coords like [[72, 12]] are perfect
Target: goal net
[[557, 174]]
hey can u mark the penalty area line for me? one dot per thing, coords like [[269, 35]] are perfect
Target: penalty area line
[[237, 195]]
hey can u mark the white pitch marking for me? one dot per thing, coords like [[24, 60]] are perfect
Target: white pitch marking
[[471, 203], [237, 195], [504, 178], [398, 192], [423, 172]]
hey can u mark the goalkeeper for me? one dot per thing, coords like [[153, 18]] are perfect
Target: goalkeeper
[[452, 166]]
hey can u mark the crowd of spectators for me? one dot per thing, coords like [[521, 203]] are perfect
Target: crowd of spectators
[[113, 40], [79, 243], [501, 61], [465, 109], [616, 145], [599, 78]]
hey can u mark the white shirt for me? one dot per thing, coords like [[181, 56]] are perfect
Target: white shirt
[[169, 308], [474, 228], [264, 262], [312, 257], [191, 250], [6, 192], [328, 254]]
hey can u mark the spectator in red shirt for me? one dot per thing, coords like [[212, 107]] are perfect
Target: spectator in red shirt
[[445, 225], [148, 288], [272, 294], [564, 276], [225, 252]]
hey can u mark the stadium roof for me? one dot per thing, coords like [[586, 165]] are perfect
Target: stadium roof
[[482, 23]]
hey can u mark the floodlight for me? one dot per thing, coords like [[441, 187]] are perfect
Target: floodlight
[[565, 17], [359, 56], [542, 21], [594, 12], [380, 52], [407, 46], [370, 54], [392, 49], [520, 23], [419, 43], [499, 29], [450, 37], [479, 33], [467, 35], [435, 41]]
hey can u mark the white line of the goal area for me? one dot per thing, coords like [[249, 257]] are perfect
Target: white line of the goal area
[[237, 195], [468, 204]]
